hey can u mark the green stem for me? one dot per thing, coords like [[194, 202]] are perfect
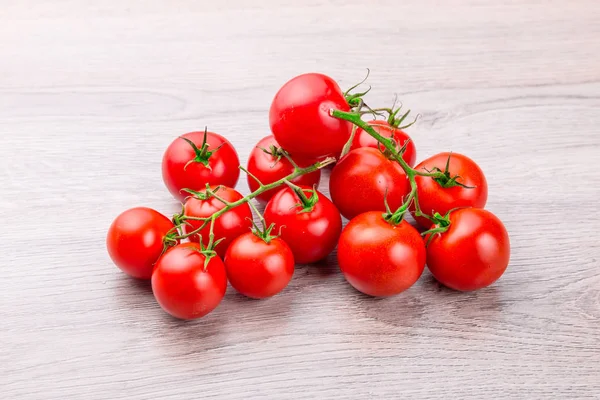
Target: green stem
[[263, 188], [299, 192], [390, 146], [397, 216], [306, 203], [348, 145], [265, 232], [387, 142], [211, 235], [260, 216], [290, 159], [214, 194]]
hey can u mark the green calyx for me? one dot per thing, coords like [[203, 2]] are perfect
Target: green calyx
[[306, 203], [444, 179], [170, 239], [200, 195], [276, 152], [396, 217], [205, 194], [265, 232], [202, 154], [442, 224], [208, 251], [273, 151], [178, 220], [355, 99], [396, 121]]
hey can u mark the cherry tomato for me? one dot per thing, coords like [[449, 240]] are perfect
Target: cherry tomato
[[311, 234], [267, 163], [183, 286], [258, 269], [363, 139], [378, 258], [300, 120], [135, 240], [473, 253], [434, 197], [187, 166], [360, 180], [228, 226]]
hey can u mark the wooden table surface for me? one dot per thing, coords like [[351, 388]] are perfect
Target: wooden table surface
[[91, 93]]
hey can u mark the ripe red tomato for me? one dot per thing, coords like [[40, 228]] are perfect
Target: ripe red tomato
[[184, 166], [270, 166], [360, 180], [311, 235], [300, 120], [228, 226], [434, 197], [378, 258], [135, 240], [473, 253], [183, 286], [363, 139], [258, 269]]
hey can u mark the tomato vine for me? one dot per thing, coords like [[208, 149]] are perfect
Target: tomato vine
[[180, 219]]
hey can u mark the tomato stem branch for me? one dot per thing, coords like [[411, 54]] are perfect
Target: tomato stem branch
[[251, 175], [299, 192], [260, 216], [181, 218], [265, 232], [348, 145], [290, 159], [214, 194], [389, 144]]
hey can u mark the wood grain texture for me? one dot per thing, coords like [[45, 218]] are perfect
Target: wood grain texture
[[91, 95]]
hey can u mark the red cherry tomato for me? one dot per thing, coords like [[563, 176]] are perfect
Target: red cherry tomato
[[268, 164], [183, 286], [433, 197], [184, 166], [258, 269], [311, 235], [472, 254], [360, 180], [380, 259], [135, 240], [300, 120], [228, 226], [363, 139]]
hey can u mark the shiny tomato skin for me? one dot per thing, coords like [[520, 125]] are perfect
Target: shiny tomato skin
[[359, 181], [311, 235], [300, 120], [258, 269], [473, 253], [183, 287], [224, 164], [434, 198], [268, 169], [363, 139], [228, 226], [380, 259], [135, 240]]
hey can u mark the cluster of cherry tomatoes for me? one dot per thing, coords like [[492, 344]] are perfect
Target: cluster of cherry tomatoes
[[374, 184]]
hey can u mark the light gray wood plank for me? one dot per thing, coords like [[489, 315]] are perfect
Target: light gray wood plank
[[91, 95]]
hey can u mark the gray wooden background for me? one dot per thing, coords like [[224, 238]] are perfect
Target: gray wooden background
[[91, 93]]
